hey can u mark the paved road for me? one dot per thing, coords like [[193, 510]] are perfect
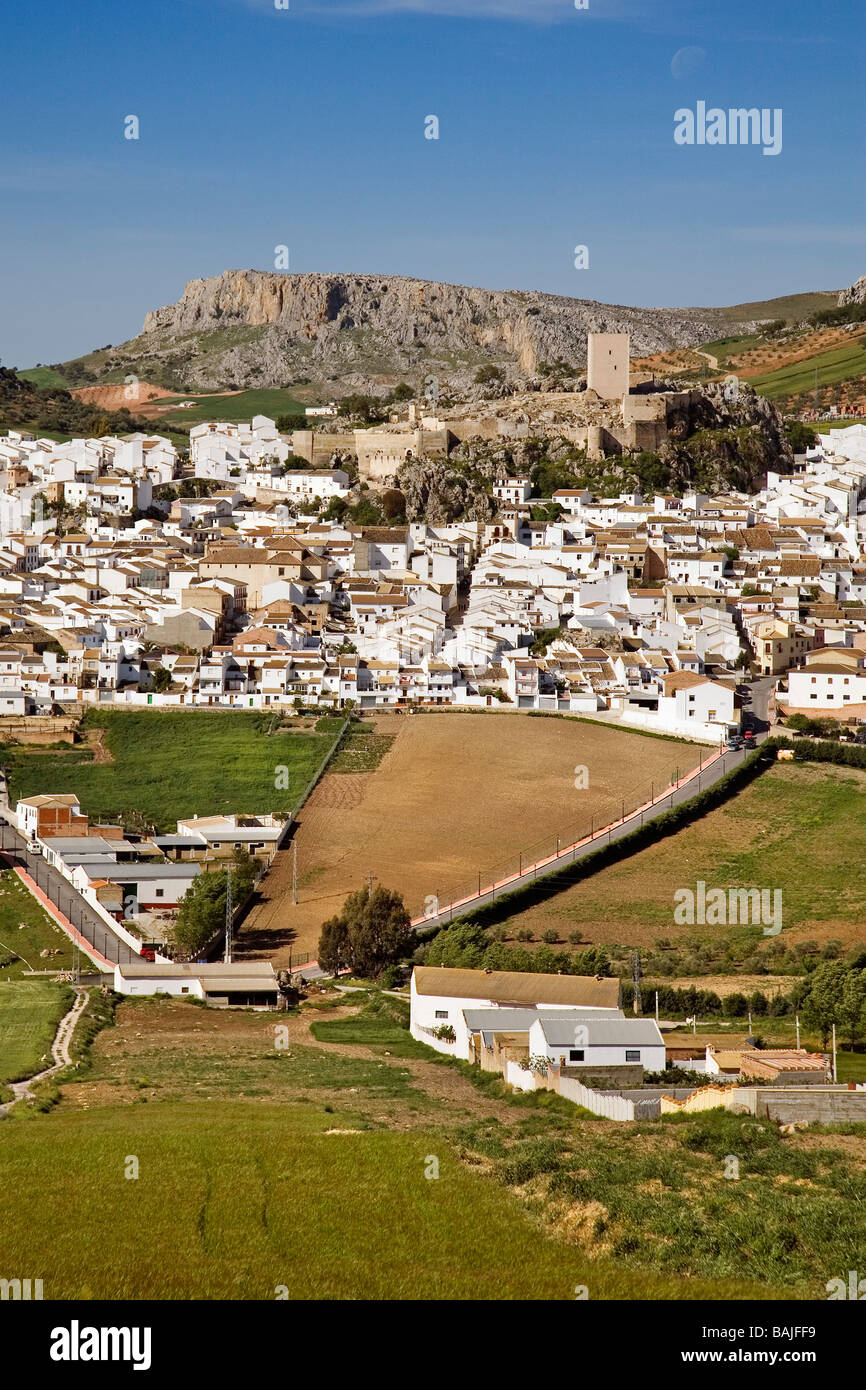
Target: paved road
[[66, 899]]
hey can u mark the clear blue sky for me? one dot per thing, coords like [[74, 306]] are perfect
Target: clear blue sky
[[305, 127]]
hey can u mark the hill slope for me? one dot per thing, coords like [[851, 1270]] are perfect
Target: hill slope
[[249, 328]]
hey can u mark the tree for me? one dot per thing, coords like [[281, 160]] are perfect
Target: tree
[[852, 1005], [734, 1005], [161, 680], [201, 914], [372, 932], [336, 509], [393, 503], [245, 871], [800, 436], [823, 1003], [489, 373]]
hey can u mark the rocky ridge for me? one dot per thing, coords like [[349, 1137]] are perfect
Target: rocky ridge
[[362, 331]]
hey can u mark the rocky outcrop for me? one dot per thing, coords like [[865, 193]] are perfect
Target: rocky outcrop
[[716, 444], [855, 294], [366, 330]]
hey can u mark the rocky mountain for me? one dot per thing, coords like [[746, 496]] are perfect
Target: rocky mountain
[[855, 294], [250, 328]]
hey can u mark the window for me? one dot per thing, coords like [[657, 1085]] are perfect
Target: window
[[184, 989], [575, 1054], [632, 1054], [160, 892], [441, 1013]]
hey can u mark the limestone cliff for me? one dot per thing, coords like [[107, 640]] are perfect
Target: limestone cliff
[[855, 294], [260, 328]]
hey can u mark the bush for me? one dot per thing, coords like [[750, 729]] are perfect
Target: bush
[[524, 934], [551, 936]]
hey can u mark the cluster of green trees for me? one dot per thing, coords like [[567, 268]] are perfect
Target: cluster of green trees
[[744, 949], [373, 409], [705, 1003], [842, 313], [488, 374], [800, 436], [469, 946], [287, 423], [187, 487], [371, 934], [54, 409], [835, 993], [389, 509], [202, 910]]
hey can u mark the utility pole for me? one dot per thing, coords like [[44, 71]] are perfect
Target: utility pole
[[834, 1052], [227, 959], [295, 872], [797, 1020], [657, 1006], [635, 974]]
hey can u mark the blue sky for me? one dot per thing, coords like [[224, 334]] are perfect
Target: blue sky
[[305, 127]]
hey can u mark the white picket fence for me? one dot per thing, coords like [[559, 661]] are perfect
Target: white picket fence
[[611, 1107]]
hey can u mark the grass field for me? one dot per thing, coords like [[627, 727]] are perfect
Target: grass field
[[25, 930], [233, 408], [30, 1011], [170, 763], [454, 795], [842, 364], [797, 828], [309, 1168], [43, 376]]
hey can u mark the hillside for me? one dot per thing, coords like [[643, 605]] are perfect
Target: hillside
[[248, 328], [51, 409]]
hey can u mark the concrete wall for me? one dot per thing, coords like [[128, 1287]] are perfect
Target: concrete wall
[[829, 1106], [624, 1074]]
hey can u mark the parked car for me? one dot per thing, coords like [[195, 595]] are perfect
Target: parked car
[[34, 847], [148, 953], [734, 743], [749, 738]]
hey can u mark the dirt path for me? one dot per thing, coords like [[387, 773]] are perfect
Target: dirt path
[[59, 1050], [95, 741]]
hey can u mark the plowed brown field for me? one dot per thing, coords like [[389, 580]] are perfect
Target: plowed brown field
[[455, 795]]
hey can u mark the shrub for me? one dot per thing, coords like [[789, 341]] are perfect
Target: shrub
[[551, 936], [524, 934]]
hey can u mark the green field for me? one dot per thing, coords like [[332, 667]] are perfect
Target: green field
[[30, 1011], [243, 406], [800, 829], [176, 763], [234, 1203], [44, 376], [841, 364], [310, 1169], [25, 930]]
